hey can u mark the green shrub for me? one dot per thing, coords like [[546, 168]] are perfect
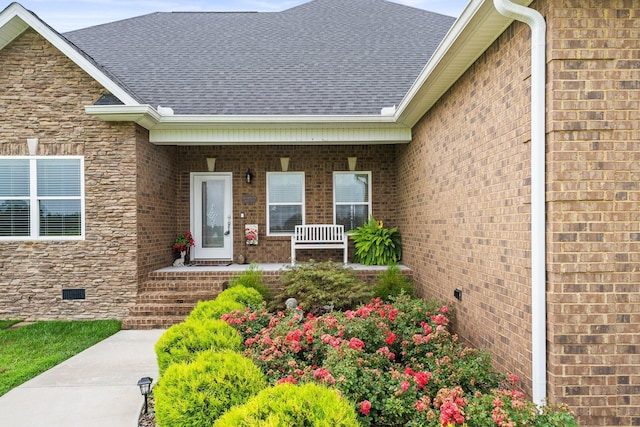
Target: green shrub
[[316, 285], [252, 278], [376, 245], [197, 393], [181, 342], [392, 283], [214, 309], [288, 405], [249, 297]]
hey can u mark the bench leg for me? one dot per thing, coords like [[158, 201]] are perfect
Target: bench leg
[[293, 253], [346, 253]]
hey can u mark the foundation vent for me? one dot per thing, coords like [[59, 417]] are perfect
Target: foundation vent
[[73, 294]]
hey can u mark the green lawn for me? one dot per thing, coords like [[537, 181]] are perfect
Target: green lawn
[[30, 350]]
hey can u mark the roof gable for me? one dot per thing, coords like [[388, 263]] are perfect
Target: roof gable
[[15, 19]]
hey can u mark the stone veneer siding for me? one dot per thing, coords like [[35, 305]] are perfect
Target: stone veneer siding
[[43, 94], [318, 163], [467, 181]]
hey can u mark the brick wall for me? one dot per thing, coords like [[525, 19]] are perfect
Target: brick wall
[[156, 200], [467, 198], [466, 195], [43, 94], [593, 208], [318, 163]]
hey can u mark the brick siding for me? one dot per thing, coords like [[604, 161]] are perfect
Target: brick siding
[[468, 199], [318, 163]]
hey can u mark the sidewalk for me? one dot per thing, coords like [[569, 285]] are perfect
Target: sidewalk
[[96, 388]]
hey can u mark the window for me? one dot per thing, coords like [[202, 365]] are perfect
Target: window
[[41, 197], [285, 202], [352, 198]]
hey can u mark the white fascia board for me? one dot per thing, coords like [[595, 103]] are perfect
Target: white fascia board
[[471, 34], [16, 19], [144, 115]]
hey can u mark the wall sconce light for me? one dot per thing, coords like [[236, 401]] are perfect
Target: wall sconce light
[[249, 176], [211, 164], [32, 145], [145, 387], [352, 163], [284, 163]]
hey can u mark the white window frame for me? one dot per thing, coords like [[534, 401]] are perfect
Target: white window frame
[[269, 204], [369, 203], [34, 200]]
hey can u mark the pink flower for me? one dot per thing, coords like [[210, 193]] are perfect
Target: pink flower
[[288, 379], [404, 386], [356, 344], [365, 407], [324, 376]]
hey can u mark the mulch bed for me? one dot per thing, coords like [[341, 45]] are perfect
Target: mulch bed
[[148, 419]]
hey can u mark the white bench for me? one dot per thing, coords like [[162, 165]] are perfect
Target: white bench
[[319, 236]]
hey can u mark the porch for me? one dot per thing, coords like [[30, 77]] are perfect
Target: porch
[[169, 294]]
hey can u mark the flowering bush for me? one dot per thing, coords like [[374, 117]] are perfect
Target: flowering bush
[[184, 243], [396, 362]]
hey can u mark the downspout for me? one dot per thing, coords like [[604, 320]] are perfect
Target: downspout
[[538, 222]]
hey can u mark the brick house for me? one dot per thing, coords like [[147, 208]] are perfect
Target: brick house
[[438, 116]]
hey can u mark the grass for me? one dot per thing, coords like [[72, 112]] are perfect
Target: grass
[[30, 350], [6, 323]]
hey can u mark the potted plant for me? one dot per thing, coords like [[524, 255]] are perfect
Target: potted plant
[[183, 244]]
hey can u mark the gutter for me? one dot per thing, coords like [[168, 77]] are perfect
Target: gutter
[[538, 221]]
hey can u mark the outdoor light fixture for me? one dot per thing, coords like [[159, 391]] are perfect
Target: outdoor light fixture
[[211, 164], [145, 387], [32, 146], [352, 163], [284, 164], [249, 176]]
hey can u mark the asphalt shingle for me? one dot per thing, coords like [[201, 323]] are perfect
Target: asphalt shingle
[[323, 57]]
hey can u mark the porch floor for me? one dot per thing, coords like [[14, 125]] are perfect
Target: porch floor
[[169, 294], [233, 267]]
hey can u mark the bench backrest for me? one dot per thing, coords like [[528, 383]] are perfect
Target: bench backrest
[[319, 233]]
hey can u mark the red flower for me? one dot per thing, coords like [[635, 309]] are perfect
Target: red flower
[[391, 337], [365, 407]]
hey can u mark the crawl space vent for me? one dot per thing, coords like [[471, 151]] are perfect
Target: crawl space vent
[[73, 294]]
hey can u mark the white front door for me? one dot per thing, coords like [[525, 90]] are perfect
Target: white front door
[[212, 216]]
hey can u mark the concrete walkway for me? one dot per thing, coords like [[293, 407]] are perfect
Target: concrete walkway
[[96, 388]]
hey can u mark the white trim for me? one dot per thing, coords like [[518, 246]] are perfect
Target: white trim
[[198, 252], [302, 204], [16, 19], [34, 226], [474, 31], [369, 203]]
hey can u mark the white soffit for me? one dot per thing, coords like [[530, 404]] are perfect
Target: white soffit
[[474, 31], [286, 135], [169, 129]]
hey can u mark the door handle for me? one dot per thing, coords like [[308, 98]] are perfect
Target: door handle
[[226, 233]]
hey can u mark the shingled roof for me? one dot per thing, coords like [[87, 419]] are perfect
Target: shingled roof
[[342, 57]]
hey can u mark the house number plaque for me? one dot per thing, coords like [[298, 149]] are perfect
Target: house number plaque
[[249, 199]]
